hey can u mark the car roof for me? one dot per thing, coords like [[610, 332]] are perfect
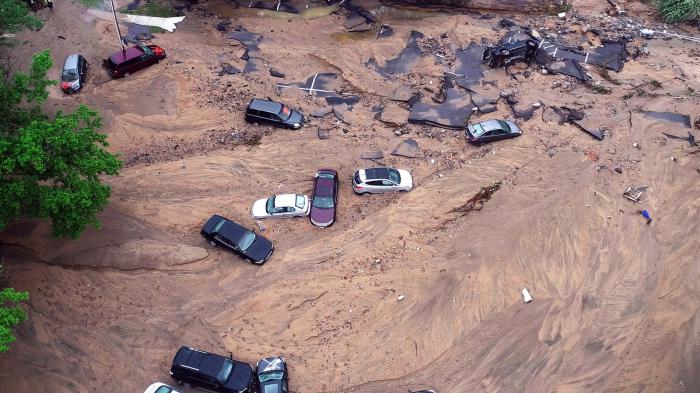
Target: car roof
[[265, 105], [126, 54], [489, 125], [230, 230], [377, 173], [71, 62], [285, 200], [207, 363], [324, 187]]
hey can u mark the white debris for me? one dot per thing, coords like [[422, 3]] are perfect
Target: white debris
[[527, 298], [401, 297], [164, 23], [562, 14]]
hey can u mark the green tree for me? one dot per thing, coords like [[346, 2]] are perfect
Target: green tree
[[14, 16], [10, 315], [50, 166], [678, 10]]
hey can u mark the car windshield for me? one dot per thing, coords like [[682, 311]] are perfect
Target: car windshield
[[323, 202], [69, 75], [357, 179], [504, 126], [478, 129], [146, 50], [163, 389], [300, 201], [273, 376], [285, 112], [394, 176], [246, 240], [218, 225], [225, 371], [270, 205], [326, 176]]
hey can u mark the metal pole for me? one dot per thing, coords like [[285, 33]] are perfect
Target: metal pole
[[116, 22]]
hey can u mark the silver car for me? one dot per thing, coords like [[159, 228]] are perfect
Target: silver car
[[378, 180], [492, 130]]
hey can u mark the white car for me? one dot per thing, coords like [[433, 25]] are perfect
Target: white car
[[160, 388], [378, 180], [281, 206]]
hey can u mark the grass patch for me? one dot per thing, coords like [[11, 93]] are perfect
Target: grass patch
[[156, 29], [90, 3], [150, 8]]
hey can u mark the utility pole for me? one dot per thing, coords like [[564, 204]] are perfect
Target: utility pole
[[116, 22]]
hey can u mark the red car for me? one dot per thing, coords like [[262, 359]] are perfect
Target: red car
[[325, 198], [132, 59]]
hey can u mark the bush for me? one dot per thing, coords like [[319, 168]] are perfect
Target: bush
[[678, 10]]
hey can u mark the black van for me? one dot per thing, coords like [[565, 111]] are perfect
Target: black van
[[130, 60], [273, 113], [509, 53]]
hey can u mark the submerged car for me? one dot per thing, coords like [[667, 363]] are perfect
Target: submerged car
[[160, 388], [220, 231], [272, 375], [378, 180], [324, 198], [273, 113], [509, 53], [130, 60], [74, 73], [492, 130], [281, 206], [211, 371]]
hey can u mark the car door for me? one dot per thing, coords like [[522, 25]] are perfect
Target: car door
[[375, 185]]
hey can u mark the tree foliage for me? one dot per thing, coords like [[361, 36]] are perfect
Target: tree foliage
[[14, 16], [10, 315], [50, 166], [678, 10]]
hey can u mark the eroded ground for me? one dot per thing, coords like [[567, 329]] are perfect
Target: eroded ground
[[616, 300]]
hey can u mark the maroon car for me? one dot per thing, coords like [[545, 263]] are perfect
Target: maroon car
[[324, 198], [132, 59]]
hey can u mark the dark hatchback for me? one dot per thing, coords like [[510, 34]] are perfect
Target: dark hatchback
[[272, 375], [325, 198], [74, 73], [220, 231], [130, 60], [273, 113], [212, 371]]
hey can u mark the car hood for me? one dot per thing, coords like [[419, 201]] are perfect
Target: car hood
[[240, 377], [259, 250], [406, 178], [295, 117], [259, 208], [322, 217]]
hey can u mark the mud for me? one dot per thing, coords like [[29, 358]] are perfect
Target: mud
[[616, 300]]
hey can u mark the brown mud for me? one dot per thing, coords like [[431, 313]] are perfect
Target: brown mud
[[615, 300]]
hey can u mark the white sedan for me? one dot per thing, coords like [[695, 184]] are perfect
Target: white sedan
[[281, 206], [160, 388]]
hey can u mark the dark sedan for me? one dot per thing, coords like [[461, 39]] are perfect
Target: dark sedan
[[325, 198], [492, 130], [220, 231], [272, 375]]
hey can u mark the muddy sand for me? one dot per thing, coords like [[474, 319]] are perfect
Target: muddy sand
[[615, 300]]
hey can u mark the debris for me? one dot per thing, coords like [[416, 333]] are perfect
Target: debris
[[144, 37], [505, 22], [320, 84], [476, 202], [567, 67], [690, 138], [683, 120], [454, 112], [401, 297], [407, 148], [372, 155], [321, 112], [404, 61], [164, 23], [393, 114], [618, 170], [636, 146], [340, 109], [385, 31], [586, 126], [260, 226], [562, 14], [222, 26], [276, 74], [634, 193], [647, 33], [403, 93], [527, 298], [228, 69], [646, 215], [525, 112], [616, 9], [323, 133]]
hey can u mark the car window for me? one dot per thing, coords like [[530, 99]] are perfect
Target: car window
[[144, 57], [218, 225], [488, 133], [394, 176], [246, 240], [285, 112], [270, 205], [225, 371], [69, 75], [300, 201], [163, 389], [388, 183], [375, 183], [504, 126], [323, 202]]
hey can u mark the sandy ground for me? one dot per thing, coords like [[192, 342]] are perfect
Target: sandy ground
[[616, 300]]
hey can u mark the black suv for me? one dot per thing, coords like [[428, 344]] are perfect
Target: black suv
[[220, 231], [511, 52], [212, 371], [273, 113]]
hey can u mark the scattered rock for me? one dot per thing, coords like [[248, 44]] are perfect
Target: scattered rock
[[340, 109], [277, 74], [394, 114], [407, 148], [228, 69], [321, 112], [323, 133], [505, 22], [372, 155], [144, 37], [618, 170], [403, 93], [222, 26]]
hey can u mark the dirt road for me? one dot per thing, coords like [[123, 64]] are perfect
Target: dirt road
[[615, 300]]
